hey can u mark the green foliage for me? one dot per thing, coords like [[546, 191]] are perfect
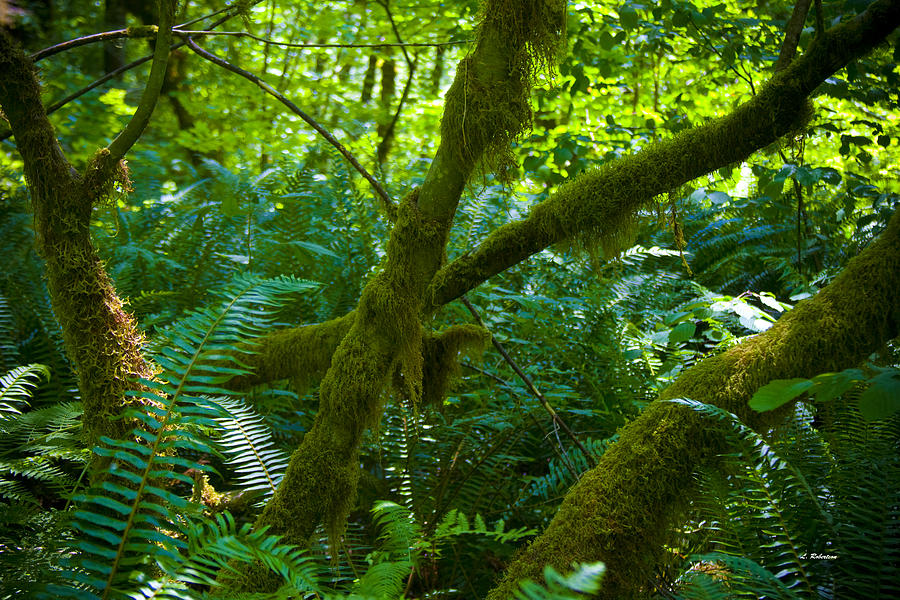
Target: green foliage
[[785, 517], [36, 446], [242, 187], [583, 581], [129, 520], [880, 398], [247, 442]]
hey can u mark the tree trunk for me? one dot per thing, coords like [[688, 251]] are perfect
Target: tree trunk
[[101, 338]]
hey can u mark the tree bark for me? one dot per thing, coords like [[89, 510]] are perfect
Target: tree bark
[[101, 338], [386, 335]]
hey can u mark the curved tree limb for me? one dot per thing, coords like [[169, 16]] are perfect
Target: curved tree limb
[[622, 511], [136, 63], [792, 34], [126, 139], [597, 204], [117, 34], [387, 202], [600, 202], [102, 339]]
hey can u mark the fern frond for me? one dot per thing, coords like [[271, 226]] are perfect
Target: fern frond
[[130, 522], [775, 488], [582, 582], [247, 441], [214, 545], [17, 386], [721, 576]]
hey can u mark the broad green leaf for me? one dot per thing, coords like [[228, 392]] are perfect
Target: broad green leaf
[[777, 393], [828, 386], [628, 17], [882, 398], [682, 332]]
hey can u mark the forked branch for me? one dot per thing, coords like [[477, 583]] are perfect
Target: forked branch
[[387, 202]]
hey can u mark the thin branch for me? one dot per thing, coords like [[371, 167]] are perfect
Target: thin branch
[[130, 32], [113, 74], [379, 190], [559, 449], [258, 38], [712, 47], [132, 132], [389, 132], [557, 420], [792, 34], [384, 143], [210, 15], [387, 9]]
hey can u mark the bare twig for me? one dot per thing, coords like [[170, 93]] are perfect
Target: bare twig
[[130, 32], [116, 34], [531, 387], [113, 74], [744, 76], [379, 190], [387, 9], [792, 34], [384, 143], [195, 33], [558, 448]]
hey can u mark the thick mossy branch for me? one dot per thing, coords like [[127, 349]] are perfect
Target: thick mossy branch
[[488, 104], [302, 354], [598, 205], [441, 357], [622, 511], [102, 339], [385, 335]]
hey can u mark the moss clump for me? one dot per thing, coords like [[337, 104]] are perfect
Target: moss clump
[[385, 336], [105, 179], [441, 353], [301, 354], [488, 105]]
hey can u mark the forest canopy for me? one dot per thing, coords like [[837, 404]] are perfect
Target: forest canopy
[[403, 299]]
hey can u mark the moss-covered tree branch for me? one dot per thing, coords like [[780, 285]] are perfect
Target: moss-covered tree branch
[[136, 125], [302, 354], [105, 168], [101, 338], [486, 108], [622, 511], [598, 205]]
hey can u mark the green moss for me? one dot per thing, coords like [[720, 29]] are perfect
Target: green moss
[[301, 354], [102, 339], [384, 337], [105, 179], [488, 105], [441, 353]]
